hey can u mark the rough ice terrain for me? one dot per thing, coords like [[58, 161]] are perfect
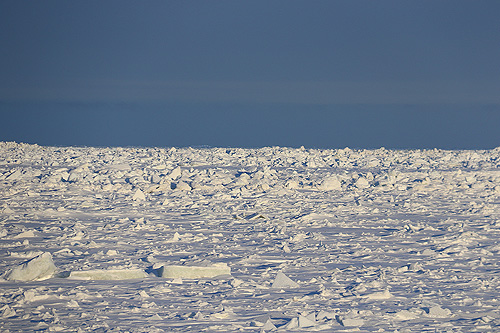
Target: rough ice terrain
[[250, 240]]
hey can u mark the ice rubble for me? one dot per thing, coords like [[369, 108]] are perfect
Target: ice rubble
[[376, 240]]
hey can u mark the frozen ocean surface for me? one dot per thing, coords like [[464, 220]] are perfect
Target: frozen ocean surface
[[249, 240]]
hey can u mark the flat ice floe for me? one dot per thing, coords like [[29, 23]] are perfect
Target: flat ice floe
[[251, 240], [193, 272], [108, 274]]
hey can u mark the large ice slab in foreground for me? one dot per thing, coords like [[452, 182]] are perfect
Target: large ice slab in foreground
[[40, 267]]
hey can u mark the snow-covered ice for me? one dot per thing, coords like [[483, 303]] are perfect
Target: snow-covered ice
[[283, 281], [107, 274], [251, 240], [37, 268], [194, 272]]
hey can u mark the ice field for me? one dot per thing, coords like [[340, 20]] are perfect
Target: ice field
[[248, 240]]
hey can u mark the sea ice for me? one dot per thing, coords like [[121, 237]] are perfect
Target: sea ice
[[330, 184], [194, 272], [292, 324], [139, 195], [352, 322], [283, 281], [108, 274], [268, 326], [347, 222], [7, 312], [183, 186], [305, 322], [379, 295], [437, 312], [362, 183], [40, 267], [405, 315], [26, 234], [176, 173]]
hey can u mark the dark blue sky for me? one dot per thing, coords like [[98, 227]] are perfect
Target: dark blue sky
[[326, 74]]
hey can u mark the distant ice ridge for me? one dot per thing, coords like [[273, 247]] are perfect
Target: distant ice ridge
[[178, 170]]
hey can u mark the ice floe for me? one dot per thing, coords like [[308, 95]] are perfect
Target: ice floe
[[108, 274], [193, 272], [40, 267]]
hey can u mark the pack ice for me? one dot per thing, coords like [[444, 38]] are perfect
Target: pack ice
[[248, 240]]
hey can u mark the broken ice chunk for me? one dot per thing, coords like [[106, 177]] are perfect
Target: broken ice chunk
[[352, 322], [283, 281], [305, 322], [437, 312], [139, 195], [330, 184], [40, 267]]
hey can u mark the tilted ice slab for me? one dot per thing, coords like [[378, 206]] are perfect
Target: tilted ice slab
[[283, 281], [194, 272], [40, 267], [108, 274]]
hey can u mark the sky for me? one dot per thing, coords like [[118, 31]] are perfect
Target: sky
[[320, 74]]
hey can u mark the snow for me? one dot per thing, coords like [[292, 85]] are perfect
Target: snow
[[252, 240]]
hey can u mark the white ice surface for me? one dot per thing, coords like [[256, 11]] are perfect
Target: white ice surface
[[283, 281], [371, 240], [40, 267], [108, 274], [193, 272]]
